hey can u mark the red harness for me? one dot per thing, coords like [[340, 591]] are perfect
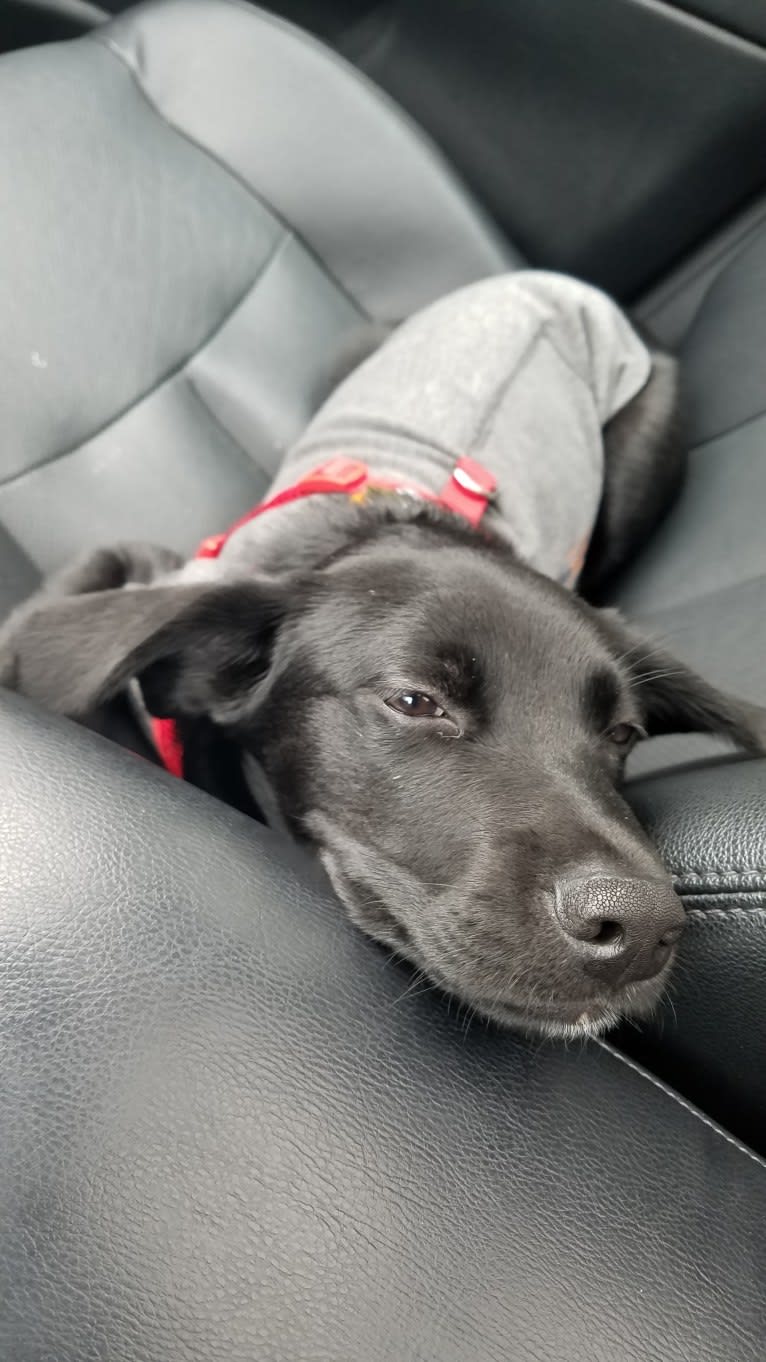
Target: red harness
[[467, 493]]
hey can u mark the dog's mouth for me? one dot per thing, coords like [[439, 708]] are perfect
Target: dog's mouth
[[553, 1017]]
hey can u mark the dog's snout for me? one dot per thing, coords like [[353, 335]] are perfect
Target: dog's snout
[[622, 928]]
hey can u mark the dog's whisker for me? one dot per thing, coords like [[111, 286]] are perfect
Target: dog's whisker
[[666, 998], [416, 979], [421, 992], [645, 677], [469, 1016], [414, 989], [650, 646]]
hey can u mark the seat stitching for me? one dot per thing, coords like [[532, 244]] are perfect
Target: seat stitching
[[682, 1102], [648, 617], [716, 882], [117, 52], [736, 910], [728, 430], [216, 419], [164, 378], [714, 872], [702, 890], [709, 27], [732, 248], [750, 878], [429, 145]]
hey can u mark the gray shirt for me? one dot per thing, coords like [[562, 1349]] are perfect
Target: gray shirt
[[520, 372]]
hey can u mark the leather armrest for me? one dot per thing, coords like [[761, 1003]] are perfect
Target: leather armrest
[[230, 1128], [709, 1038]]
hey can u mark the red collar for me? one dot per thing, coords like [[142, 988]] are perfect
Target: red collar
[[467, 493]]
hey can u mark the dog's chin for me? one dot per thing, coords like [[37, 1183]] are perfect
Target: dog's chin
[[573, 1020], [591, 1021]]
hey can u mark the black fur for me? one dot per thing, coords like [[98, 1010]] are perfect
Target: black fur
[[458, 839], [645, 464]]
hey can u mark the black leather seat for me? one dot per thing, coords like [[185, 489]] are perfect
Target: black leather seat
[[225, 1133]]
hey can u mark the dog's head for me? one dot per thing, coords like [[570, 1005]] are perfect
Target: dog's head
[[449, 729]]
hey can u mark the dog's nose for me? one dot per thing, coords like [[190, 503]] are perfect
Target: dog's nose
[[620, 928]]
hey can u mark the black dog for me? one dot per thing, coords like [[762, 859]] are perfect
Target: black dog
[[447, 726]]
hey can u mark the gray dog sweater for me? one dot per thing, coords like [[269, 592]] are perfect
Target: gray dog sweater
[[521, 373]]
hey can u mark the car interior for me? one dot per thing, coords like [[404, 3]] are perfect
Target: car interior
[[230, 1126]]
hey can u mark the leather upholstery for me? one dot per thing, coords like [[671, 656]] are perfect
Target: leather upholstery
[[699, 585], [234, 1133], [212, 242], [608, 137], [709, 1038], [226, 1133], [725, 387], [737, 16], [327, 151]]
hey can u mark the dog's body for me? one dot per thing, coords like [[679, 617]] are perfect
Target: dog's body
[[523, 373], [444, 722]]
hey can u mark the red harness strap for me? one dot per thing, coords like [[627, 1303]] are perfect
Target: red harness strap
[[467, 494]]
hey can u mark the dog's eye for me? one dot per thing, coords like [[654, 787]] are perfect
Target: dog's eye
[[624, 735], [415, 704]]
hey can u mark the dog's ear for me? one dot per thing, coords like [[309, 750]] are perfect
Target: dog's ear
[[196, 648], [674, 698]]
